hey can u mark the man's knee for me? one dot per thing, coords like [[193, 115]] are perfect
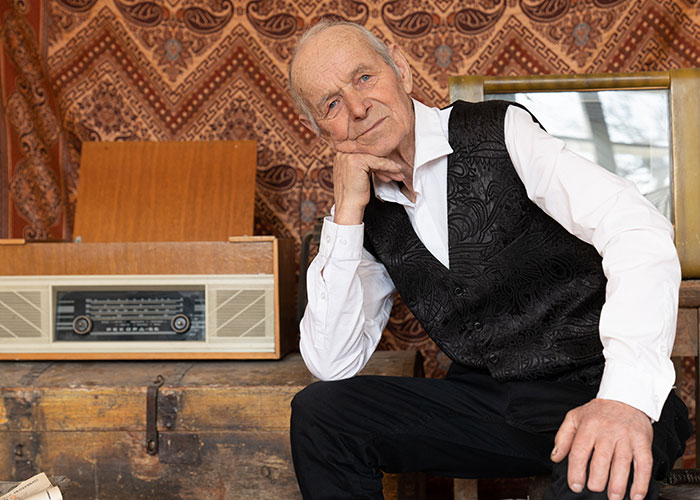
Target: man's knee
[[319, 402], [306, 400]]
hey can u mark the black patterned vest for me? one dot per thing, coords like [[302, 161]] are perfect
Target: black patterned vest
[[522, 297]]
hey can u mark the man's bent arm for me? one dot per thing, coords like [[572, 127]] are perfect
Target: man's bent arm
[[638, 320], [637, 323], [350, 298]]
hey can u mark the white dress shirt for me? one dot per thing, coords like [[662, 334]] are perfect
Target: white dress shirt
[[351, 294]]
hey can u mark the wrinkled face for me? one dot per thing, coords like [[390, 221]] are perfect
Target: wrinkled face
[[360, 104]]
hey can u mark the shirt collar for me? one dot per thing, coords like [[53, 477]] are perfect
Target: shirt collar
[[431, 141]]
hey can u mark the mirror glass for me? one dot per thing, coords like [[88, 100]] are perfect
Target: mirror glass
[[625, 131]]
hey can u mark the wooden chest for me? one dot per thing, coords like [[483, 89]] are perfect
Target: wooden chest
[[221, 427]]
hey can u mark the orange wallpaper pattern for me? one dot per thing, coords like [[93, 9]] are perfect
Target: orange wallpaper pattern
[[114, 70]]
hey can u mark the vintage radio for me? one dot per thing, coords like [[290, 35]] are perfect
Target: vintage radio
[[147, 300], [133, 286]]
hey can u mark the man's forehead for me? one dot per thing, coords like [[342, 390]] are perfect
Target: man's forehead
[[336, 53], [335, 38]]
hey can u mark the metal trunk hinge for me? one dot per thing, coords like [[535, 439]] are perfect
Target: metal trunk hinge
[[152, 415], [171, 447]]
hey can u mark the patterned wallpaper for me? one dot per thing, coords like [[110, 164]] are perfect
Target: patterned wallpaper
[[116, 70]]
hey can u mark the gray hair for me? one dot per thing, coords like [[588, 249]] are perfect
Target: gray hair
[[373, 42]]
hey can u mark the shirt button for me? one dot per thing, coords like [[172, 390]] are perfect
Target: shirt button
[[493, 357], [328, 239], [458, 292], [323, 295], [477, 326], [343, 241]]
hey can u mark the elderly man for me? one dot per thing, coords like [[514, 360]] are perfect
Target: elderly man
[[550, 283]]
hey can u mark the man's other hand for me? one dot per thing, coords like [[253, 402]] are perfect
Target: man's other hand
[[613, 436], [351, 175]]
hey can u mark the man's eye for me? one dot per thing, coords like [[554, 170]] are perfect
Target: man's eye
[[332, 105], [365, 78]]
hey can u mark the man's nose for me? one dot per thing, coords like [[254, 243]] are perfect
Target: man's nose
[[358, 105]]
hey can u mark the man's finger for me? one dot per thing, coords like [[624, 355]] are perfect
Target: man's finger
[[384, 177], [564, 438], [599, 467], [619, 475], [579, 455], [376, 164], [643, 462], [386, 170], [368, 164]]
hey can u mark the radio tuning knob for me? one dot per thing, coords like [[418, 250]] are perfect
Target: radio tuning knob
[[180, 323], [82, 325]]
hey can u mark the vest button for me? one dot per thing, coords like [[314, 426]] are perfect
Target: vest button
[[493, 358], [458, 292], [477, 327]]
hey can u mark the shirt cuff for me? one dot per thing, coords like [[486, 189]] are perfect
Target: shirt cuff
[[640, 388], [341, 242]]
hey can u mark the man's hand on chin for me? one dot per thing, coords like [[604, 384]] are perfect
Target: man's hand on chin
[[613, 436], [351, 176]]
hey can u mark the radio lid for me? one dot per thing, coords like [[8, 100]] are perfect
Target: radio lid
[[165, 191]]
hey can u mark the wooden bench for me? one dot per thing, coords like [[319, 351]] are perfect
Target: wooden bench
[[221, 427], [686, 345]]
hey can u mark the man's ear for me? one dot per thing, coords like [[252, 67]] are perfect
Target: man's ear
[[403, 67], [304, 120]]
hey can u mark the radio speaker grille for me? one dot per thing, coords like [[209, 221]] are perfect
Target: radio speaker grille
[[20, 314], [243, 313]]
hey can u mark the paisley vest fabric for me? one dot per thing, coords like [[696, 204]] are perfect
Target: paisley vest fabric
[[522, 297]]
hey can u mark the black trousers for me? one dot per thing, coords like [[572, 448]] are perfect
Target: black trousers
[[344, 434]]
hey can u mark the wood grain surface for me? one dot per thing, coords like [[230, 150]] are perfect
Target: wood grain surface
[[86, 421], [165, 191]]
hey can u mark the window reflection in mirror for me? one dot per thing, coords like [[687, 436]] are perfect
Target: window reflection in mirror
[[625, 131]]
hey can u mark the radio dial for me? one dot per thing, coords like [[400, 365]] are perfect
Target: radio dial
[[82, 325], [180, 323]]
